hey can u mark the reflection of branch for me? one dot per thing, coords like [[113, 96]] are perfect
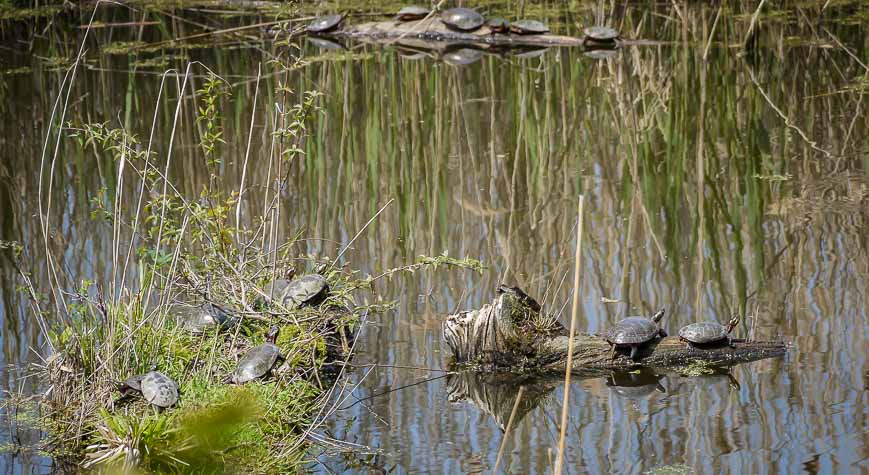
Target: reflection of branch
[[784, 117]]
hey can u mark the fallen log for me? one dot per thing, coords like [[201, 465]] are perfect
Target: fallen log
[[433, 30], [509, 334]]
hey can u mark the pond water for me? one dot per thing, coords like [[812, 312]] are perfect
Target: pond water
[[715, 183]]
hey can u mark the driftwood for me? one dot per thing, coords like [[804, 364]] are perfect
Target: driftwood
[[508, 334]]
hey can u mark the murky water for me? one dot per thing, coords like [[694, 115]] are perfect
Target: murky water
[[714, 184]]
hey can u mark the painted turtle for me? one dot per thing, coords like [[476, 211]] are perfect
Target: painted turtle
[[600, 34], [528, 27], [259, 360], [413, 12], [498, 25], [308, 290], [462, 19], [325, 23], [157, 388], [704, 334], [208, 315], [633, 332]]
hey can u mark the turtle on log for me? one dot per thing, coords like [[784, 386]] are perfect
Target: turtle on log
[[634, 332]]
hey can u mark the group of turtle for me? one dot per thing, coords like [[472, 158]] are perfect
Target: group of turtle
[[467, 20], [162, 391], [633, 333]]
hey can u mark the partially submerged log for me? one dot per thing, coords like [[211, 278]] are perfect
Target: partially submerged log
[[432, 30], [508, 334]]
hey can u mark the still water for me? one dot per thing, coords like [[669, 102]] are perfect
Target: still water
[[715, 183]]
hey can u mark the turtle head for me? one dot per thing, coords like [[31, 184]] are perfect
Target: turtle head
[[290, 273], [734, 320], [272, 335], [659, 315]]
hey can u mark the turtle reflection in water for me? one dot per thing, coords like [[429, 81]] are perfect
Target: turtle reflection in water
[[159, 390], [635, 384], [462, 56], [323, 43]]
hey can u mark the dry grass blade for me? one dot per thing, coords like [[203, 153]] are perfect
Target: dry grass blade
[[507, 429], [573, 315]]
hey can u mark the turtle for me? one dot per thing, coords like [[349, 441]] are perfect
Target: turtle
[[157, 388], [498, 25], [633, 332], [325, 23], [208, 315], [462, 56], [308, 290], [410, 13], [528, 27], [521, 295], [635, 384], [600, 34], [462, 19], [259, 360], [705, 334]]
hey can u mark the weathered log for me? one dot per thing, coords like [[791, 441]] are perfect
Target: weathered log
[[433, 30], [508, 334]]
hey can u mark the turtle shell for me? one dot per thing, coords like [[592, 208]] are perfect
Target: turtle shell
[[413, 12], [256, 363], [462, 56], [325, 23], [632, 331], [498, 25], [198, 319], [309, 289], [159, 389], [528, 27], [703, 332], [601, 33], [462, 19]]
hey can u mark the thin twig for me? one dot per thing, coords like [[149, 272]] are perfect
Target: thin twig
[[573, 315]]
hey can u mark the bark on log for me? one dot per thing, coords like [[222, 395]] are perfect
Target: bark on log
[[507, 334]]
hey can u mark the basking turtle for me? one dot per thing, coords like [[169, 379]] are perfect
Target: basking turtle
[[521, 296], [528, 27], [157, 388], [413, 12], [208, 315], [706, 334], [259, 360], [600, 34], [633, 332], [308, 290], [325, 23], [498, 25], [462, 19]]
